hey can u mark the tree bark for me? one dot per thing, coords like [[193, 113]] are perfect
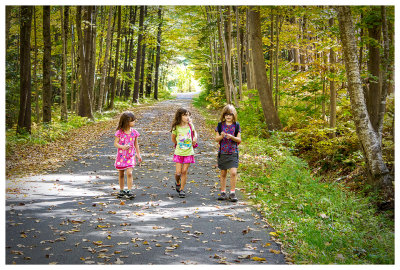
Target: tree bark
[[106, 58], [224, 72], [85, 105], [239, 57], [227, 41], [374, 61], [158, 55], [35, 62], [64, 21], [261, 80], [114, 81], [24, 116], [149, 77], [369, 140], [138, 57], [47, 93]]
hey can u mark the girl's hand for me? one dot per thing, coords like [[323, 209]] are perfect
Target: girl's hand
[[223, 134], [126, 147], [229, 136], [140, 160]]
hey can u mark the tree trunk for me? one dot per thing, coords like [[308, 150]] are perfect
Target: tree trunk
[[85, 106], [24, 116], [138, 57], [47, 93], [385, 74], [35, 62], [239, 57], [332, 114], [105, 65], [64, 21], [260, 76], [271, 53], [92, 53], [149, 77], [157, 68], [224, 71], [374, 61], [114, 81], [369, 140], [228, 55]]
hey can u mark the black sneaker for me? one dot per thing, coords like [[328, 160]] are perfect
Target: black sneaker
[[222, 197], [232, 197], [182, 194], [129, 195], [121, 194]]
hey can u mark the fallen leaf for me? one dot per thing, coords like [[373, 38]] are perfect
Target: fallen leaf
[[258, 259]]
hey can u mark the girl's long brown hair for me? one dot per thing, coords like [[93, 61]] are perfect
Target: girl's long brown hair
[[229, 109], [178, 117], [124, 120]]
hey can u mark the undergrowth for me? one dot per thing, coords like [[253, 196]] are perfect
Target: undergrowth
[[317, 220]]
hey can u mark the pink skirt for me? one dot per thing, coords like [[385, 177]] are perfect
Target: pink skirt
[[182, 159]]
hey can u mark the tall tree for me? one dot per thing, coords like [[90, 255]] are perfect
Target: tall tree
[[64, 30], [239, 56], [35, 63], [374, 61], [24, 117], [47, 92], [85, 105], [158, 54], [377, 170], [105, 65], [114, 82], [260, 76], [138, 57]]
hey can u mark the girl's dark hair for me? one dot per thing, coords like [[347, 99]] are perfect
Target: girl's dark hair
[[124, 120], [178, 117]]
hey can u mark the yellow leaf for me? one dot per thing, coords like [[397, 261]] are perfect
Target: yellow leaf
[[273, 234], [258, 259], [274, 251]]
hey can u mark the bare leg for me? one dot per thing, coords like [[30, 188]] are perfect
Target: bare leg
[[121, 179], [129, 178], [184, 172], [233, 173], [223, 179]]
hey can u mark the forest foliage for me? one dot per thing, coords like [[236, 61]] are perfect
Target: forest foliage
[[285, 68]]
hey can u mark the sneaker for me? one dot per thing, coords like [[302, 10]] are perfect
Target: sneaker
[[222, 197], [232, 197], [177, 182], [182, 194], [129, 194], [121, 194]]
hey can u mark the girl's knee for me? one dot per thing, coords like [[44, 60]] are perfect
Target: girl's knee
[[129, 173]]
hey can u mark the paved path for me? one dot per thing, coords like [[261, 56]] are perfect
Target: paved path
[[72, 217]]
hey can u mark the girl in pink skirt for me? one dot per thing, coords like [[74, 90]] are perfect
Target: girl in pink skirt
[[184, 136], [126, 140]]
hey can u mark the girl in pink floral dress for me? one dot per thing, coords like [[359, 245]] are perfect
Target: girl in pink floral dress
[[126, 140]]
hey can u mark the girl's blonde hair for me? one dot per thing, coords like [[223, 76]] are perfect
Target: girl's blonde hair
[[229, 109], [178, 117], [124, 120]]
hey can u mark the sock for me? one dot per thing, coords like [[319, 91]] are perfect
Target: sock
[[223, 191], [232, 191]]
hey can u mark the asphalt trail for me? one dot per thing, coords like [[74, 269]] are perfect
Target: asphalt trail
[[72, 216]]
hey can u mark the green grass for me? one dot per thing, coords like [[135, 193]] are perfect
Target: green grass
[[317, 221]]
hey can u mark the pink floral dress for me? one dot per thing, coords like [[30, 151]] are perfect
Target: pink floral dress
[[126, 158]]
